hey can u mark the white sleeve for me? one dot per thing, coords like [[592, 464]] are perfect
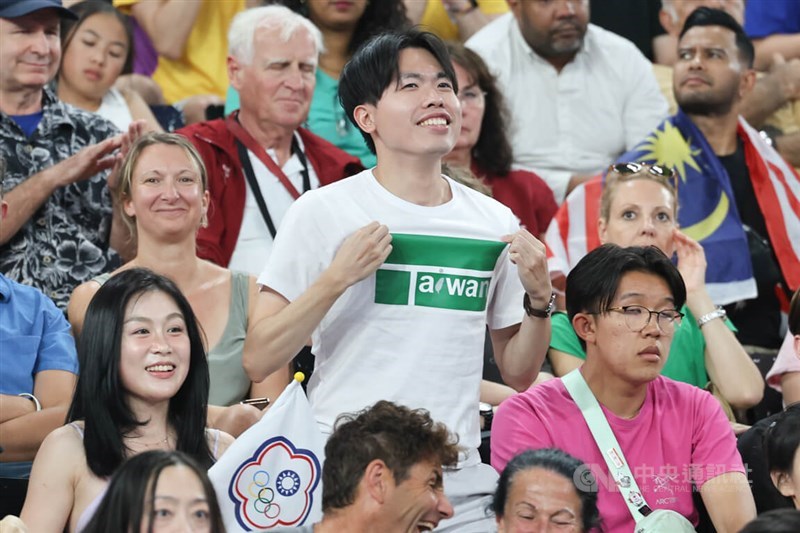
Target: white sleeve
[[301, 250], [505, 307], [645, 106]]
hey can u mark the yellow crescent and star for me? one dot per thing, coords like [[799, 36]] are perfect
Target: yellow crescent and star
[[668, 148]]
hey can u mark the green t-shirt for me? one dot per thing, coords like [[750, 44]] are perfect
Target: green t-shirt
[[326, 118], [686, 361]]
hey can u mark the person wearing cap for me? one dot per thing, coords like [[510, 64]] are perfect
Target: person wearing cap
[[59, 231]]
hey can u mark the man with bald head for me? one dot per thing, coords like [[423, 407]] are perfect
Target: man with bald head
[[579, 95]]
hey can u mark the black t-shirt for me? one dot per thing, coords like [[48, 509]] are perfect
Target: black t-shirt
[[758, 320]]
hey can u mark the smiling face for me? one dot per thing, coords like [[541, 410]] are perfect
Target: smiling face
[[30, 50], [540, 500], [641, 213], [95, 56], [709, 74], [612, 349], [418, 503], [179, 503], [155, 350], [166, 193], [472, 108], [418, 114], [277, 86]]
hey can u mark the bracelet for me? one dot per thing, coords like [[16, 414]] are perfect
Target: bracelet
[[32, 398], [713, 315], [470, 6]]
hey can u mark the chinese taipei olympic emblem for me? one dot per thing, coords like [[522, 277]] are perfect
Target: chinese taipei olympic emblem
[[275, 487]]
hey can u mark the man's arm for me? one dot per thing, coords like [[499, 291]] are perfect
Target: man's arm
[[520, 349], [771, 91], [729, 501], [168, 23], [280, 328], [24, 199], [21, 435], [787, 45], [789, 147]]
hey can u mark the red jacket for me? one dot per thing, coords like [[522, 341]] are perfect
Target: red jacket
[[228, 186]]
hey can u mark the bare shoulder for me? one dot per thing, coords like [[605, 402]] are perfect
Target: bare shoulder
[[79, 302]]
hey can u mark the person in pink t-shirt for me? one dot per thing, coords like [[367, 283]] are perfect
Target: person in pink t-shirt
[[623, 305]]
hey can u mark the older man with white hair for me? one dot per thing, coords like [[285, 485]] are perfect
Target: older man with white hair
[[259, 159]]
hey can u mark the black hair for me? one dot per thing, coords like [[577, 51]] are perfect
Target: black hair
[[774, 521], [492, 153], [379, 16], [131, 493], [559, 462], [376, 65], [782, 440], [708, 16], [794, 313], [84, 10], [592, 285], [100, 399], [398, 436]]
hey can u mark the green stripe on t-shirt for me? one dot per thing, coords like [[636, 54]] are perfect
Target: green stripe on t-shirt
[[451, 252]]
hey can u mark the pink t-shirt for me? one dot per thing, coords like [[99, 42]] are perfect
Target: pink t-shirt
[[680, 435]]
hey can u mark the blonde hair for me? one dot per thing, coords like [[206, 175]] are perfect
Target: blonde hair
[[614, 178], [145, 141]]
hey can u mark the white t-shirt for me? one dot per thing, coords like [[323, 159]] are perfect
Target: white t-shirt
[[578, 121], [114, 108], [414, 331], [254, 244]]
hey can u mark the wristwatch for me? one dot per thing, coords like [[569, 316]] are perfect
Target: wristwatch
[[539, 313], [713, 315]]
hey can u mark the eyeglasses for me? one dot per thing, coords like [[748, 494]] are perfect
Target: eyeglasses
[[471, 97], [637, 317], [667, 175]]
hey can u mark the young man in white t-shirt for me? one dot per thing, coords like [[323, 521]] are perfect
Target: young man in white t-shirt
[[395, 272]]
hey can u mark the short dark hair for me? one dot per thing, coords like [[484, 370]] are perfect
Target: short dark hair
[[492, 153], [398, 436], [794, 313], [559, 462], [782, 439], [100, 399], [775, 521], [86, 9], [376, 64], [592, 285], [708, 16], [132, 490]]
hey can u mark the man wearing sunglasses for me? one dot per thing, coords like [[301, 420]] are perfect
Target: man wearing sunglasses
[[736, 195]]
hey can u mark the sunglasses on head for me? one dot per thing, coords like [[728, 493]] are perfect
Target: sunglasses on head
[[627, 169]]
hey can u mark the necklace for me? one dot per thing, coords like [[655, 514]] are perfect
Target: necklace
[[149, 444]]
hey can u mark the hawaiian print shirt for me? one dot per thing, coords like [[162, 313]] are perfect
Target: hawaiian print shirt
[[66, 242]]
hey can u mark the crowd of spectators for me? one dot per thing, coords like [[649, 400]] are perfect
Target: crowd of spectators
[[598, 200]]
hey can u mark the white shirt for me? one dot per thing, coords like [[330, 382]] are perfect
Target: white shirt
[[413, 332], [254, 244], [114, 108], [577, 121]]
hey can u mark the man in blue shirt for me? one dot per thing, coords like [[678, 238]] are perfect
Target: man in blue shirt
[[38, 370]]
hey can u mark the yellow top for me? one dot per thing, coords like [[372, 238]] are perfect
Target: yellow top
[[436, 19], [202, 69]]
